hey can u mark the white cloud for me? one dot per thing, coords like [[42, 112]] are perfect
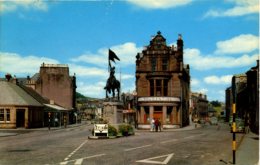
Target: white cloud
[[241, 8], [243, 43], [80, 70], [218, 80], [162, 4], [10, 6], [202, 90], [126, 53], [16, 64], [97, 90], [197, 61], [127, 76], [92, 90]]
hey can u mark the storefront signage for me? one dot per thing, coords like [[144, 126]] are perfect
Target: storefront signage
[[163, 99], [129, 111]]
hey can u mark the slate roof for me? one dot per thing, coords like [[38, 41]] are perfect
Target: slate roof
[[12, 94], [34, 94]]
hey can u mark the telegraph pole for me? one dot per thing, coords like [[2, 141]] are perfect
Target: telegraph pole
[[234, 119]]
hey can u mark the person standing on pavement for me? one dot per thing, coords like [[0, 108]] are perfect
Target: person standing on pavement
[[159, 125], [247, 123], [152, 124]]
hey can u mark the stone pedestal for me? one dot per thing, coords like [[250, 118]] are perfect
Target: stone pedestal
[[113, 112]]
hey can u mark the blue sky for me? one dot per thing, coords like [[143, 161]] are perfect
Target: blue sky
[[221, 38]]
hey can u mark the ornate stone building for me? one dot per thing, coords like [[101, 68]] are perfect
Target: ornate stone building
[[162, 84]]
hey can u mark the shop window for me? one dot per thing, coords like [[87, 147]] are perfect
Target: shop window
[[7, 114], [2, 115]]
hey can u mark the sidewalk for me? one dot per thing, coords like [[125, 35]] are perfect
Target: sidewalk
[[14, 132], [186, 128], [248, 151]]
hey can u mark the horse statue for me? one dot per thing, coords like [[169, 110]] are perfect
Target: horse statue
[[112, 84]]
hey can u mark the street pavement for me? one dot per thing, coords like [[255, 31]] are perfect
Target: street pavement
[[247, 152]]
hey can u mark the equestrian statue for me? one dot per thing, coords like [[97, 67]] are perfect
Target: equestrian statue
[[112, 83]]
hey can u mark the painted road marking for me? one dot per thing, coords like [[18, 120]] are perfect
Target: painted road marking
[[152, 161], [73, 152], [130, 149], [168, 141], [80, 160], [188, 137]]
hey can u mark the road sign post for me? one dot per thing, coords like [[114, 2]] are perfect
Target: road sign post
[[234, 119]]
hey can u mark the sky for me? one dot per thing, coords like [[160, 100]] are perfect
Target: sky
[[221, 38]]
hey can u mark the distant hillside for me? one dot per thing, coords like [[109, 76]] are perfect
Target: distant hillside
[[79, 95]]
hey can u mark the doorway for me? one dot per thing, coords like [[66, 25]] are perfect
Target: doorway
[[20, 118], [157, 114]]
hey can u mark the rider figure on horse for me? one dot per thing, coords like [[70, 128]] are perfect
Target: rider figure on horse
[[112, 77], [112, 83]]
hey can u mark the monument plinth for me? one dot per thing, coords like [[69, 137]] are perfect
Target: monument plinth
[[113, 112], [113, 108]]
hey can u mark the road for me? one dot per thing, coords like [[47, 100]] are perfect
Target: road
[[204, 146]]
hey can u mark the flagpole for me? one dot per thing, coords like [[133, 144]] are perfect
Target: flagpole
[[108, 61], [120, 84]]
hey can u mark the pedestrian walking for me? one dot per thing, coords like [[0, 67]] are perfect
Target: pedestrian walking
[[156, 125]]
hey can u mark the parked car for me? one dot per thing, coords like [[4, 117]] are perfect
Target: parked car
[[213, 120]]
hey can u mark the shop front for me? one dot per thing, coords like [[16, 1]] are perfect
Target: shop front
[[164, 109]]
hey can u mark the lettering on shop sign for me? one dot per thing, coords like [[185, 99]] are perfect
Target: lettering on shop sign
[[166, 99]]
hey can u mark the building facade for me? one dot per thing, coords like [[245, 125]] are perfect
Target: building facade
[[229, 103], [199, 106], [244, 92], [253, 97], [54, 81], [162, 84], [46, 99], [18, 108]]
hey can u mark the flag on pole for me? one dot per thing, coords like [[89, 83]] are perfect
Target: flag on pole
[[112, 56]]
